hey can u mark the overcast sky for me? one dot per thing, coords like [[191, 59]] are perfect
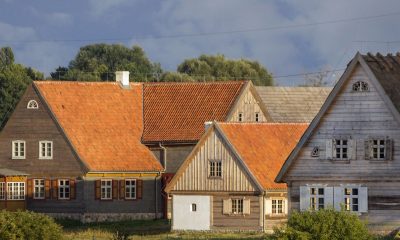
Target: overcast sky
[[45, 34]]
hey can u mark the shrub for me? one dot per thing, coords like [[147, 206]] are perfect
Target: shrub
[[325, 224], [28, 225]]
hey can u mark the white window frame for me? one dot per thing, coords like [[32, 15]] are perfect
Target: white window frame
[[257, 116], [32, 104], [378, 147], [276, 210], [2, 191], [106, 189], [39, 190], [215, 168], [315, 197], [129, 189], [66, 189], [237, 206], [16, 150], [349, 199], [240, 117], [47, 154], [15, 190], [344, 149], [360, 86]]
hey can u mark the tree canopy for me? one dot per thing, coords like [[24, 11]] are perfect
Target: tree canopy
[[98, 62], [219, 68], [14, 78]]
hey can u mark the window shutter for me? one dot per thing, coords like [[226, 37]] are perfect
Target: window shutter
[[328, 197], [389, 149], [246, 206], [54, 188], [338, 197], [329, 149], [139, 188], [268, 206], [122, 189], [115, 189], [353, 149], [363, 199], [368, 149], [286, 206], [304, 198], [29, 189], [47, 188], [72, 187], [97, 189], [227, 206]]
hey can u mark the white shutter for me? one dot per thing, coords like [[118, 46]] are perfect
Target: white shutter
[[328, 197], [268, 206], [304, 198], [353, 149], [329, 149], [286, 206], [246, 206], [363, 199], [227, 206], [338, 197]]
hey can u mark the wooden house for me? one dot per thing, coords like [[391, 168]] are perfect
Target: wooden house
[[349, 157], [227, 181], [78, 145]]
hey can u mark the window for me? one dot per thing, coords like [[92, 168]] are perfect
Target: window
[[315, 152], [193, 207], [257, 117], [63, 189], [2, 191], [237, 206], [215, 169], [351, 199], [18, 149], [316, 198], [106, 189], [15, 190], [379, 149], [45, 150], [130, 189], [32, 104], [341, 149], [360, 86], [278, 206], [240, 117], [38, 188]]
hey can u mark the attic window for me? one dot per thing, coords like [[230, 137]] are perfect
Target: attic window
[[32, 104], [315, 152], [360, 87]]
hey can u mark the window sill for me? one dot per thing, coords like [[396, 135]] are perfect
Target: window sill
[[378, 161], [17, 158], [340, 161], [45, 158]]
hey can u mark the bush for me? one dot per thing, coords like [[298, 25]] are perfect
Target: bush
[[325, 224], [28, 225]]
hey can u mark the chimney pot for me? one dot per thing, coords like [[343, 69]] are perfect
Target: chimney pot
[[122, 77]]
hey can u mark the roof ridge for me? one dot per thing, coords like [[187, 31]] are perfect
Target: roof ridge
[[262, 123], [80, 82], [197, 83]]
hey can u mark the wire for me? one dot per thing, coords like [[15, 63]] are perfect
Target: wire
[[343, 20]]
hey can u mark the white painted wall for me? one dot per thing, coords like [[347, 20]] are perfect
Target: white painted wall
[[182, 216]]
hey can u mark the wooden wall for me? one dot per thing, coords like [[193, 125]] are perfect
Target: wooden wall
[[248, 105]]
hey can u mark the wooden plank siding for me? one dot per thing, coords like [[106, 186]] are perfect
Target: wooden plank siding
[[195, 177], [248, 106]]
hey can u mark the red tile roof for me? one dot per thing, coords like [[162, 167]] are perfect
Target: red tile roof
[[264, 147], [103, 122], [176, 112]]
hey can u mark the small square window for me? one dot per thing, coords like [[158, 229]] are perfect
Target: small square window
[[240, 117], [193, 207], [257, 117]]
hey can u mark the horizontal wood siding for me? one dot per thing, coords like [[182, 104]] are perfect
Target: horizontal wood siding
[[195, 177], [246, 222], [248, 106], [357, 114]]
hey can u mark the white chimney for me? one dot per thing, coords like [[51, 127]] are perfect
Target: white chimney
[[122, 77], [207, 125]]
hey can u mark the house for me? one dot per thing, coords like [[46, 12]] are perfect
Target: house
[[349, 157], [227, 181], [72, 149], [293, 104]]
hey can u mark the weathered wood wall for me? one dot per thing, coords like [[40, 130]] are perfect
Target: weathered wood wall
[[248, 106]]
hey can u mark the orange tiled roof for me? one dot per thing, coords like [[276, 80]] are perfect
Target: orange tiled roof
[[176, 112], [264, 147], [103, 122]]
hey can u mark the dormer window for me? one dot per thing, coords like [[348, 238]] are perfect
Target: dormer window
[[32, 104], [360, 87]]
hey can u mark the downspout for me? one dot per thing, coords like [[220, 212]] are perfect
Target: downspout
[[263, 210], [165, 195], [164, 156], [156, 198]]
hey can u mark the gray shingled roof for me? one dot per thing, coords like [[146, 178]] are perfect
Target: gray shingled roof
[[9, 172], [293, 104]]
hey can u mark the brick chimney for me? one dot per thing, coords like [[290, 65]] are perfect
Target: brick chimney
[[122, 77]]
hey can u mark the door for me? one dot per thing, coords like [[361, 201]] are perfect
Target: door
[[191, 212]]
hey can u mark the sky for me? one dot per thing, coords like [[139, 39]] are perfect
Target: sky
[[280, 34]]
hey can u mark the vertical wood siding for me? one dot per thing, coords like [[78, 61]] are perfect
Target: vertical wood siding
[[195, 177], [248, 106]]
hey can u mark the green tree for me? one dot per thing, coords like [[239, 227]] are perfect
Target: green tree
[[14, 78], [219, 68], [98, 62]]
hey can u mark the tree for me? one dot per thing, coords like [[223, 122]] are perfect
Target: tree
[[98, 62], [317, 79], [218, 68], [14, 78]]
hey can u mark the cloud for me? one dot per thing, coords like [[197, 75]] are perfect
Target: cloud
[[99, 7], [59, 18], [16, 33]]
